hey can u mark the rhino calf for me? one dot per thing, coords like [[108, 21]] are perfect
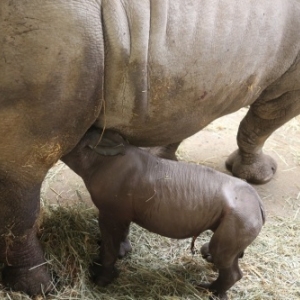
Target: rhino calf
[[173, 199]]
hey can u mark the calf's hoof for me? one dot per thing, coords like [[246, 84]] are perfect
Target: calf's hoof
[[35, 281], [102, 276], [215, 295], [260, 171], [205, 253], [125, 247]]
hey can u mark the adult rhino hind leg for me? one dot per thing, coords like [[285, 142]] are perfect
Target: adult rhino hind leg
[[20, 250], [51, 89], [263, 118], [24, 162]]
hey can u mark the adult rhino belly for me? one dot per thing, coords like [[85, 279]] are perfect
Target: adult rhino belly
[[173, 67]]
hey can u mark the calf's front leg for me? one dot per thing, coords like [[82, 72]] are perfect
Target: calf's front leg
[[113, 234], [125, 246]]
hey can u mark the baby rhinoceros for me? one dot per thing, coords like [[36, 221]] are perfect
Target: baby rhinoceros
[[174, 199]]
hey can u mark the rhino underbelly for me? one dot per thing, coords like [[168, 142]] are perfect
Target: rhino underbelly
[[172, 67], [165, 119]]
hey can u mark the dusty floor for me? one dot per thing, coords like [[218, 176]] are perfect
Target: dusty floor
[[211, 147]]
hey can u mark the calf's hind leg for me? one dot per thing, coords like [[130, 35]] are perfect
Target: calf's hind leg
[[226, 246], [263, 118], [228, 268], [226, 279]]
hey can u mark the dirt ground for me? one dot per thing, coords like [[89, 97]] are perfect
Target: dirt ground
[[211, 147]]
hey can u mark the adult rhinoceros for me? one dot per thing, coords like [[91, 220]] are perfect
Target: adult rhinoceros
[[160, 70]]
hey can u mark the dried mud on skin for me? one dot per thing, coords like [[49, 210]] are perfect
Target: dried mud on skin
[[162, 268]]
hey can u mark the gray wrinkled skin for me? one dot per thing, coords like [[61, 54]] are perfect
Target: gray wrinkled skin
[[174, 66], [171, 67], [155, 71], [174, 199]]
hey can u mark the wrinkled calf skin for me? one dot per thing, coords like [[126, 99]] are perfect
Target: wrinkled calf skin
[[173, 199]]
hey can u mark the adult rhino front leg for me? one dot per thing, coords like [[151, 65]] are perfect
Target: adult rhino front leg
[[263, 118]]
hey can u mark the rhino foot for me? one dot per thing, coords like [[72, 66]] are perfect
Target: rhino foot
[[215, 295], [35, 281], [259, 171], [102, 276]]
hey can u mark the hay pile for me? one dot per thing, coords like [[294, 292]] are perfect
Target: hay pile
[[161, 268]]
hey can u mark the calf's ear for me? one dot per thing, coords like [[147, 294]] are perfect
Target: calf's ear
[[110, 143], [114, 149]]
